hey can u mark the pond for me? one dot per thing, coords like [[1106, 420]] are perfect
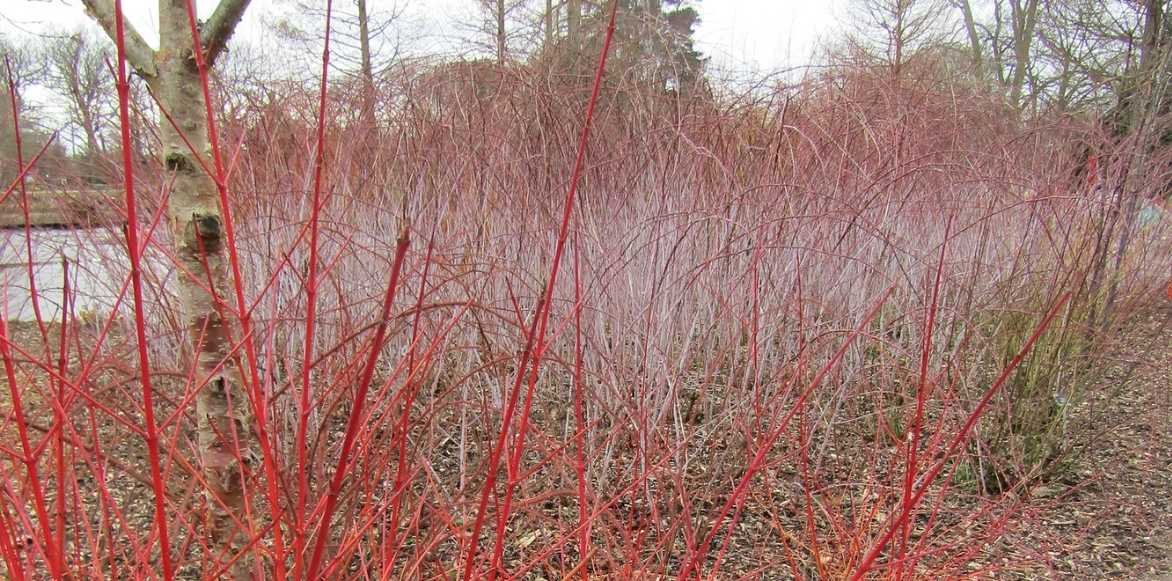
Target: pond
[[97, 268]]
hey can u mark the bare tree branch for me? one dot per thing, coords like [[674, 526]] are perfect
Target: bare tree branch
[[221, 25], [138, 53], [970, 26]]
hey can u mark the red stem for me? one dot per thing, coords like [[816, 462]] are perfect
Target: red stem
[[27, 168], [28, 458], [51, 551], [34, 296], [759, 458], [404, 419], [269, 459], [59, 410], [580, 420], [959, 439], [502, 435], [304, 403], [11, 559], [922, 390], [542, 315], [355, 419], [134, 249]]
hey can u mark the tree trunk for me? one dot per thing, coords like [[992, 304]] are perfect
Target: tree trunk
[[367, 65], [501, 47], [75, 63], [898, 37], [223, 415], [1144, 98], [1153, 28], [573, 23], [93, 146], [224, 420], [549, 20], [970, 26], [1024, 19], [997, 43]]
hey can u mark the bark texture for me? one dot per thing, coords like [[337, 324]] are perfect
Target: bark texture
[[224, 418], [970, 27], [223, 412], [574, 23]]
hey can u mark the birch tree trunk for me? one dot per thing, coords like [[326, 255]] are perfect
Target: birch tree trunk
[[224, 416]]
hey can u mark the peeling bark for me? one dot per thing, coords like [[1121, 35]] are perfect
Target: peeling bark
[[224, 418], [223, 413]]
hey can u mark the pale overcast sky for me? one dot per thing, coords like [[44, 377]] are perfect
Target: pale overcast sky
[[739, 35]]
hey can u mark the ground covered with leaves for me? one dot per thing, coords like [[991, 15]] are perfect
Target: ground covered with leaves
[[1111, 517], [1106, 517]]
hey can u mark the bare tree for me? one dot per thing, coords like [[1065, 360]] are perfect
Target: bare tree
[[974, 37], [1024, 21], [24, 66], [223, 414], [362, 39], [898, 28], [1143, 104], [509, 27], [574, 23], [1064, 54], [502, 47], [77, 70], [550, 19]]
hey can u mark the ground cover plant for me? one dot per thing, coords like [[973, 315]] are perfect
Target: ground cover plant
[[549, 319]]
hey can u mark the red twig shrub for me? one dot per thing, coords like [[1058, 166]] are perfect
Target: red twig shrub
[[766, 297]]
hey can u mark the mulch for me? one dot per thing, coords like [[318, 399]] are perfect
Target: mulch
[[1113, 518]]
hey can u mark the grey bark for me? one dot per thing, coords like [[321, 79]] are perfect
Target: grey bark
[[364, 42], [549, 21], [220, 25], [970, 26], [1025, 18], [367, 65], [574, 23], [223, 413], [139, 55]]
